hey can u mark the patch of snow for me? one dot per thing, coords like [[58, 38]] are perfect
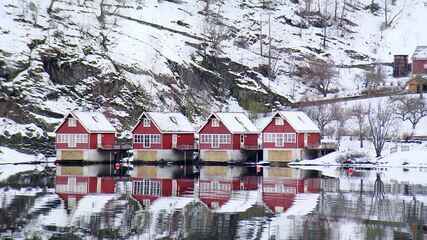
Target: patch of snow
[[239, 202], [91, 204], [171, 122], [236, 122]]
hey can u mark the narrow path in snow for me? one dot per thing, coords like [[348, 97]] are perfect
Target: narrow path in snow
[[350, 98], [160, 27]]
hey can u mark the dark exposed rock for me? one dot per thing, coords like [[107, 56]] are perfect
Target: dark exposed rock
[[68, 72]]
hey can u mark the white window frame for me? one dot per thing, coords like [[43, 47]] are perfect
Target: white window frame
[[146, 122], [152, 139], [279, 140], [215, 141], [220, 138], [290, 138], [215, 122], [72, 122], [278, 121]]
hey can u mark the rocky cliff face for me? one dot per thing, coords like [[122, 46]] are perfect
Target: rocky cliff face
[[126, 56]]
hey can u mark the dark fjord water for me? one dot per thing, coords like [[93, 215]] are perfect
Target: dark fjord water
[[212, 202]]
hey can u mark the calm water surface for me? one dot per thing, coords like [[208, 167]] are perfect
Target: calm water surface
[[212, 202]]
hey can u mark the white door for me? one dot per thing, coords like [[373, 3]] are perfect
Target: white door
[[72, 141], [147, 141], [99, 140], [305, 139], [215, 141], [174, 140], [279, 140]]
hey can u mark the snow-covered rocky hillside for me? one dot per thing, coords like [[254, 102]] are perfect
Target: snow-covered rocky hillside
[[126, 56]]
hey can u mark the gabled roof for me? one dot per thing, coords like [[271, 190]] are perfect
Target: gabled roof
[[169, 122], [420, 53], [93, 122], [235, 122], [299, 121]]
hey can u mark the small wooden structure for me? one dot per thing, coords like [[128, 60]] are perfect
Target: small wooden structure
[[418, 84], [400, 66]]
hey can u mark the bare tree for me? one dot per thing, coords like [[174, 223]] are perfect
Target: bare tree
[[380, 123], [321, 75], [34, 12], [372, 79], [308, 5], [339, 114], [411, 109], [322, 115], [359, 112], [50, 7], [215, 32]]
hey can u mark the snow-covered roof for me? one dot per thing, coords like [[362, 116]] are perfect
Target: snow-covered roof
[[236, 122], [170, 121], [420, 53], [93, 122], [297, 119]]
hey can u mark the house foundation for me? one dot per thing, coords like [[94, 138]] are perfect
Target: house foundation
[[155, 155], [89, 155], [222, 156]]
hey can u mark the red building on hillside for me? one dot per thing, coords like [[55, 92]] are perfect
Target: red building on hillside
[[84, 136], [227, 137], [288, 135], [163, 136], [419, 61]]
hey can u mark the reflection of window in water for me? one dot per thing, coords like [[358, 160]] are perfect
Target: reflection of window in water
[[147, 187], [279, 188], [72, 186], [214, 186]]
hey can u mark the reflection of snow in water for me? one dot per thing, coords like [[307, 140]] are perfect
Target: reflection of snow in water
[[280, 226]]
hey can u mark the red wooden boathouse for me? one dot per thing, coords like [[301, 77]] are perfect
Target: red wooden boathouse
[[288, 135], [84, 136], [163, 136], [227, 137]]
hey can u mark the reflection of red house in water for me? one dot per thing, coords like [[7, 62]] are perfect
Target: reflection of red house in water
[[217, 184], [281, 186], [151, 182], [74, 182]]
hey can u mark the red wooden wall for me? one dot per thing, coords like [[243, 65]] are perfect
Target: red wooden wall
[[418, 67]]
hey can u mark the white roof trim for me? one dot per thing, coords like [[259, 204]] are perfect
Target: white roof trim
[[108, 128], [249, 126], [184, 125], [311, 127]]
